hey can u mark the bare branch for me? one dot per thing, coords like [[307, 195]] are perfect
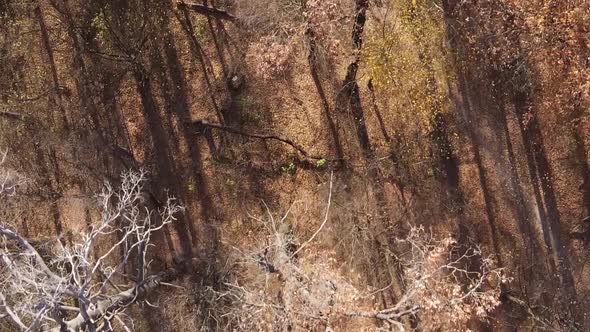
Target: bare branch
[[439, 290], [114, 304], [203, 125], [13, 115], [30, 250], [206, 10], [38, 292], [323, 222], [13, 317], [9, 181]]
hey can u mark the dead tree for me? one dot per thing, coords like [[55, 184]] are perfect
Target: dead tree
[[446, 285], [88, 284]]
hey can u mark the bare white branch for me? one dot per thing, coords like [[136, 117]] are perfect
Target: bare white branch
[[9, 180], [36, 294], [323, 222]]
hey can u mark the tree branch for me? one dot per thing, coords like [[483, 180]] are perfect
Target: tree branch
[[13, 317], [112, 305], [13, 115], [28, 248], [35, 294], [202, 125], [323, 222], [206, 10]]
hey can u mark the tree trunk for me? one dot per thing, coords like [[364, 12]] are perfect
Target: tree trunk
[[349, 95], [55, 97]]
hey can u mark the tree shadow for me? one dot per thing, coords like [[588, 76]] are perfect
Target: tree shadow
[[542, 175], [181, 108], [520, 205], [166, 92], [166, 171], [315, 75], [215, 28], [519, 93], [199, 54], [581, 154], [44, 166]]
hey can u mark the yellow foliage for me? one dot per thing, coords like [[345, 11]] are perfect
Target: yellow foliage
[[407, 61]]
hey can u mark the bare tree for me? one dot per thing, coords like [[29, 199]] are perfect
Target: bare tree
[[78, 287], [279, 284]]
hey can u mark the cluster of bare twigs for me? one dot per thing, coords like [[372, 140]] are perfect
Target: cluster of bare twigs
[[83, 286], [445, 285], [277, 283]]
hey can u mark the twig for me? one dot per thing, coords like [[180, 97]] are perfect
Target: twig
[[15, 319], [378, 290], [323, 222]]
